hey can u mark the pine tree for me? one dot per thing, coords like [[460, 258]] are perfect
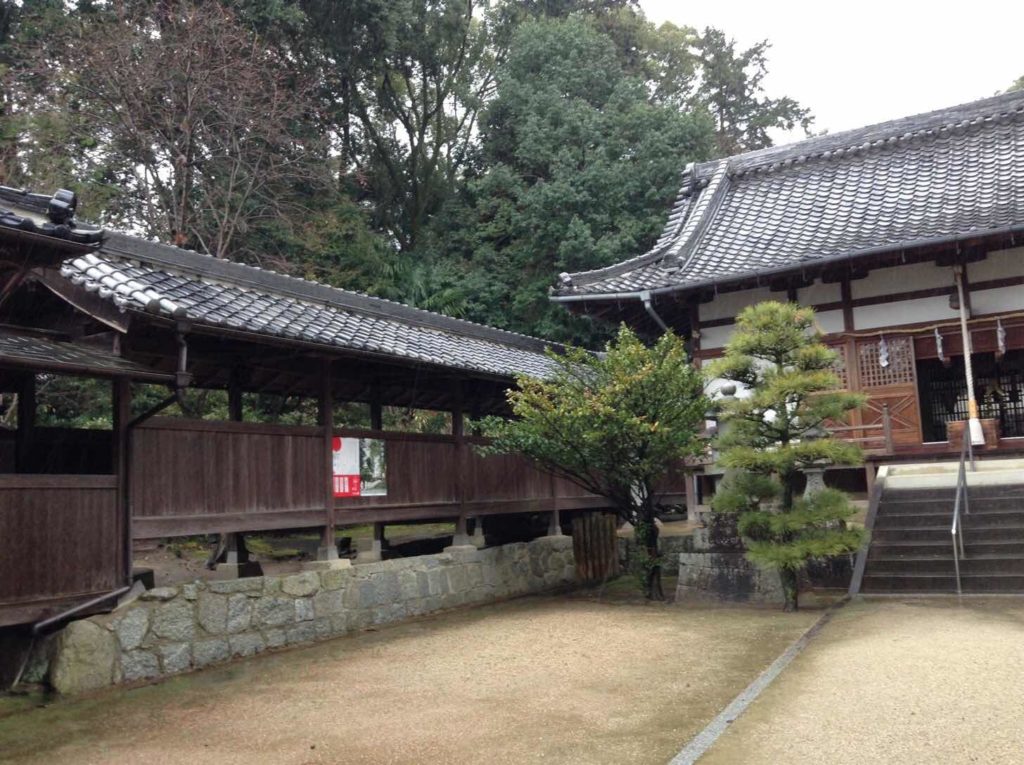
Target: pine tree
[[775, 433]]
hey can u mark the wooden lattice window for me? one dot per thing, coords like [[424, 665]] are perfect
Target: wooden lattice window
[[839, 367], [900, 369]]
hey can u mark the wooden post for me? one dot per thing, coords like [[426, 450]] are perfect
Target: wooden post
[[121, 401], [461, 537], [328, 548], [26, 422], [234, 397], [887, 429], [691, 496]]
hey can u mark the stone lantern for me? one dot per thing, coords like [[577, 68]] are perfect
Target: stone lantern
[[815, 471]]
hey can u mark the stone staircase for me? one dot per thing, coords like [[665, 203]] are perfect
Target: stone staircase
[[911, 547]]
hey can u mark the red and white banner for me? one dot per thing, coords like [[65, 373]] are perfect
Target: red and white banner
[[347, 482]]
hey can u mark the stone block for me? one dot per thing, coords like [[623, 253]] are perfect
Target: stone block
[[239, 617], [160, 594], [387, 587], [246, 644], [304, 611], [274, 611], [275, 638], [174, 620], [301, 633], [139, 665], [301, 585], [253, 585], [190, 591], [206, 652], [369, 594], [83, 659], [323, 628], [475, 574], [408, 585], [131, 628], [175, 657], [212, 612], [335, 579], [339, 623], [457, 579], [328, 602]]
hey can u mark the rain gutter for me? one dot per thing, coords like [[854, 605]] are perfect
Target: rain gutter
[[646, 295]]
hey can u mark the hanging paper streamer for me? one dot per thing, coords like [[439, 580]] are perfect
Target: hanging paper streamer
[[938, 346], [1000, 337], [883, 354]]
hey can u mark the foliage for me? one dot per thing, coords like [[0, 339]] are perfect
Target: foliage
[[614, 424], [775, 433], [731, 89], [581, 167], [448, 154]]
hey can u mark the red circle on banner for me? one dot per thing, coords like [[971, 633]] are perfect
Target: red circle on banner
[[336, 444]]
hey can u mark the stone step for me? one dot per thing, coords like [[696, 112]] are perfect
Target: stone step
[[932, 583], [977, 504], [976, 519], [910, 547], [943, 565], [940, 533], [982, 491]]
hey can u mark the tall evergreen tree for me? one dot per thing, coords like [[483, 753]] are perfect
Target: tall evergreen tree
[[775, 433]]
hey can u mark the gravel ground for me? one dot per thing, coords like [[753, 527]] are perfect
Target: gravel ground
[[566, 680], [908, 681]]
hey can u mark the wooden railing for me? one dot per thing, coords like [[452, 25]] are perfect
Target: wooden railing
[[197, 477], [874, 437]]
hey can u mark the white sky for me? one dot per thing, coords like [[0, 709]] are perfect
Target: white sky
[[855, 64]]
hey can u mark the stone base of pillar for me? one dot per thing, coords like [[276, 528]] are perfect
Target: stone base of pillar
[[326, 565], [477, 540], [555, 525]]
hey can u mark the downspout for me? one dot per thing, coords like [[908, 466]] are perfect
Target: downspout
[[645, 298]]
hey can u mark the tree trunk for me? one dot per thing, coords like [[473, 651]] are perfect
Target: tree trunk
[[790, 583], [647, 539]]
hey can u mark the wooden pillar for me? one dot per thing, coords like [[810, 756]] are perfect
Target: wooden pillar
[[26, 422], [121, 401], [692, 514], [328, 547], [235, 397], [461, 537]]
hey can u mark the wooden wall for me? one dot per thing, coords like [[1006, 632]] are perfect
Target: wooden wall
[[62, 540]]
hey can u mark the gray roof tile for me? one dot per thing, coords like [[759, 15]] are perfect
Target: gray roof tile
[[932, 177], [142, 276]]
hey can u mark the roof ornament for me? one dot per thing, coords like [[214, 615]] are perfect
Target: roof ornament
[[62, 206], [690, 183], [565, 279]]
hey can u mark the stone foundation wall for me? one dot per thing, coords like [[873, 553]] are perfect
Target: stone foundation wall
[[168, 630], [726, 576]]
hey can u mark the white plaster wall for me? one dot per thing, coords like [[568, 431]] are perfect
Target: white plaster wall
[[829, 322], [903, 312], [727, 304], [998, 300], [998, 265], [893, 281], [715, 337], [819, 293]]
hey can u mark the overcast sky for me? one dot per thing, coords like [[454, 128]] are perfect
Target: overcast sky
[[856, 64]]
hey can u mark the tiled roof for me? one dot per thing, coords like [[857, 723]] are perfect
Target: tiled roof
[[934, 177], [141, 276], [36, 352]]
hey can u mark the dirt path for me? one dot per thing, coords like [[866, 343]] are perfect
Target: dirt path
[[915, 681], [542, 679]]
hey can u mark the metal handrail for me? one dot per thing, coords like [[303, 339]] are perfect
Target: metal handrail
[[956, 530]]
